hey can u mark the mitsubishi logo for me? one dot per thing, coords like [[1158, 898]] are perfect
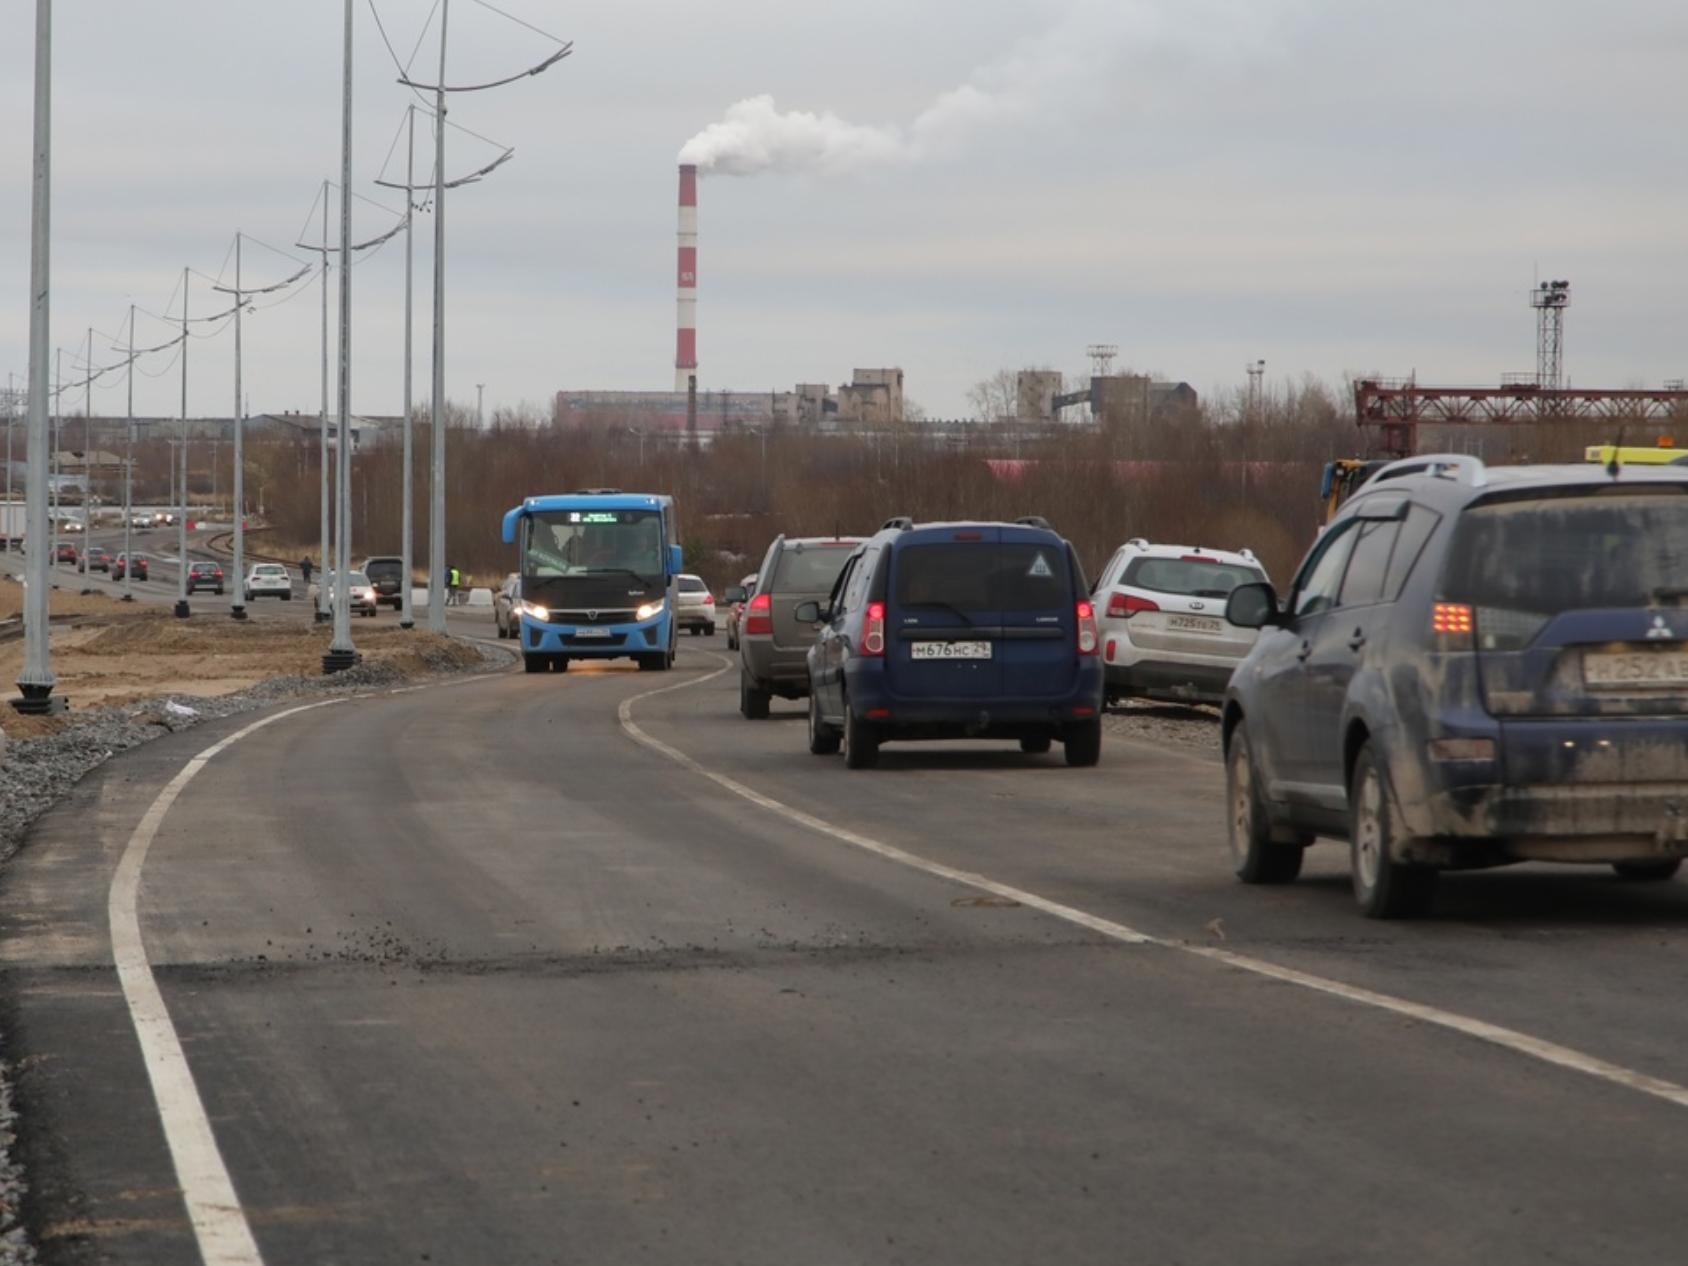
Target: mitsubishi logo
[[1660, 629]]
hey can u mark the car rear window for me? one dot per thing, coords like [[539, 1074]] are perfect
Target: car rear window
[[1553, 554], [811, 568], [691, 584], [1189, 577], [384, 566], [983, 577]]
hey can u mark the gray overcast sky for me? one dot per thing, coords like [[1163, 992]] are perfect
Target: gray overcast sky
[[1334, 185]]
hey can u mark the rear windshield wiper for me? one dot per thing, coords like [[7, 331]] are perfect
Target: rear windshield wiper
[[947, 606]]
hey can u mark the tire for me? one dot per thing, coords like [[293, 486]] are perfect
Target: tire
[[709, 630], [1384, 888], [559, 663], [288, 596], [1035, 746], [860, 742], [1083, 744], [694, 630], [1648, 872], [534, 663], [1255, 856], [824, 739], [752, 703]]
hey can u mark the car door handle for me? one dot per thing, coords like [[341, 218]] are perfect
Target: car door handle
[[1305, 651], [1358, 640]]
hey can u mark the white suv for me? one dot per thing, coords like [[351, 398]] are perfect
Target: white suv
[[268, 578], [1161, 610]]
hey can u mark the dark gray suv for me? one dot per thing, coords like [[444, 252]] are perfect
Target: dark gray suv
[[1474, 666], [773, 642]]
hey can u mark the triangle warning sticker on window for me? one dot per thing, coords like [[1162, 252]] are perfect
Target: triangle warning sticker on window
[[1040, 568]]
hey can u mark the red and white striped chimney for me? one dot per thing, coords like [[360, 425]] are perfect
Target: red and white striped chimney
[[685, 350]]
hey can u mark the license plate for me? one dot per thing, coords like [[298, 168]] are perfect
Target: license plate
[[592, 633], [949, 650], [1195, 624], [1607, 670]]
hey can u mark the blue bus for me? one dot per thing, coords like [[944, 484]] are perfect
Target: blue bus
[[597, 572]]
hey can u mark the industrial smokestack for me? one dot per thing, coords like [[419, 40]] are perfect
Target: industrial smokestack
[[685, 349]]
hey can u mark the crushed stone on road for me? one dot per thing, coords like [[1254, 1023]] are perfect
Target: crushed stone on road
[[1193, 726]]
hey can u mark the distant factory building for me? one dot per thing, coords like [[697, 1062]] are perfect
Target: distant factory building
[[1115, 400], [873, 397]]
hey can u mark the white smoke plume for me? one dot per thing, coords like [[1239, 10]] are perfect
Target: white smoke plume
[[1082, 58]]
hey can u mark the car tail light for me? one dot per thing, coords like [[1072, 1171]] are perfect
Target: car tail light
[[1126, 605], [873, 630], [1086, 628], [1454, 626], [708, 599], [759, 615]]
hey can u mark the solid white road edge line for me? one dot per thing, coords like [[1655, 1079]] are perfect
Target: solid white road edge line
[[219, 1223], [1494, 1034]]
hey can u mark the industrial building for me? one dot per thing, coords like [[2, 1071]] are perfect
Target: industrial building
[[872, 398]]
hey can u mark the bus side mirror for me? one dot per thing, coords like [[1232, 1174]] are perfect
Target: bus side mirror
[[676, 560]]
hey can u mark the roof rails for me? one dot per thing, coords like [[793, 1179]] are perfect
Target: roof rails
[[1034, 520], [1139, 542], [901, 522], [1469, 470]]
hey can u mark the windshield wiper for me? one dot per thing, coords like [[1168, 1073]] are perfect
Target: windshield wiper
[[617, 571], [947, 606]]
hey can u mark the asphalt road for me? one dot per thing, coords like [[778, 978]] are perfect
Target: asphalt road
[[467, 974]]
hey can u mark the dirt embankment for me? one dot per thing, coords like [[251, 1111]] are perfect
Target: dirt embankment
[[107, 653]]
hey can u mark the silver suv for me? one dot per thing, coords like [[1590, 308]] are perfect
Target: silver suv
[[773, 642]]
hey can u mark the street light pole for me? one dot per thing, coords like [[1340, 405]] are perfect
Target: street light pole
[[341, 653], [407, 617], [182, 610], [321, 614], [480, 406], [88, 447], [436, 505], [57, 493], [35, 682], [129, 473], [237, 606]]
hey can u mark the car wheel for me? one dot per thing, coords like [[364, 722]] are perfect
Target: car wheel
[[559, 663], [824, 739], [1255, 856], [534, 663], [694, 630], [1384, 887], [861, 741], [1083, 743], [1643, 872], [753, 703], [1035, 746], [709, 630], [288, 596]]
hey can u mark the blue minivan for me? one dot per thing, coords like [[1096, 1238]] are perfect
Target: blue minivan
[[957, 630]]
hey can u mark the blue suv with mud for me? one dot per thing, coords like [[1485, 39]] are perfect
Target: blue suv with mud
[[1474, 666], [957, 630]]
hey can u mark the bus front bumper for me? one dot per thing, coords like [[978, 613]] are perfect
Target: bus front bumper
[[603, 641]]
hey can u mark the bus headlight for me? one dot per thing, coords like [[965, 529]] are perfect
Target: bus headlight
[[536, 611], [648, 610]]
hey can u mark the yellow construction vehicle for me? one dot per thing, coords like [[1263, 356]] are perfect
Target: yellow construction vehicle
[[1664, 453], [1343, 477]]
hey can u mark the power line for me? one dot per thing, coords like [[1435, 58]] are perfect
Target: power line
[[518, 21]]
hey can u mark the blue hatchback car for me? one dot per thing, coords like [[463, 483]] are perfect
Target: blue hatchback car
[[1474, 666], [957, 630]]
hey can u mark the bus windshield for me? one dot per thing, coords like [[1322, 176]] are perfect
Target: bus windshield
[[594, 543]]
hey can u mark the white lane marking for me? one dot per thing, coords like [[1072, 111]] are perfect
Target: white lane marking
[[1496, 1035], [219, 1223]]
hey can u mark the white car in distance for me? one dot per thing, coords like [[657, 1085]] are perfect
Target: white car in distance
[[1161, 614], [268, 580]]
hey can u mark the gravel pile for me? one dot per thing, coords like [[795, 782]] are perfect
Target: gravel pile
[[35, 773], [1169, 724]]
